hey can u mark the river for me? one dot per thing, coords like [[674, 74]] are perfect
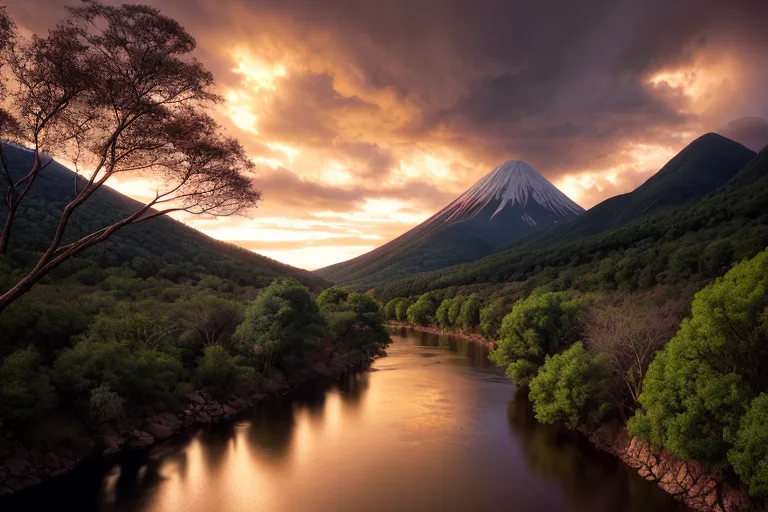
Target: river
[[434, 427]]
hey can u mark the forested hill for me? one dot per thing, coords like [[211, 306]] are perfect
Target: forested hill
[[690, 242], [160, 247]]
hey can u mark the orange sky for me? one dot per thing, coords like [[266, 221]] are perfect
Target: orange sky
[[365, 119]]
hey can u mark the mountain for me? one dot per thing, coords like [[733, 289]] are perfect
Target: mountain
[[694, 240], [701, 167], [511, 201], [160, 246]]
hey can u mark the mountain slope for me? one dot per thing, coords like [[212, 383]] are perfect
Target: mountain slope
[[158, 245], [701, 167], [664, 246], [511, 201]]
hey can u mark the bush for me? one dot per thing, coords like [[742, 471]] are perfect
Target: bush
[[139, 375], [491, 317], [401, 309], [441, 315], [280, 324], [422, 311], [536, 327], [749, 455], [390, 309], [354, 324], [216, 370], [104, 405], [25, 388], [454, 310], [700, 385], [571, 388], [469, 315]]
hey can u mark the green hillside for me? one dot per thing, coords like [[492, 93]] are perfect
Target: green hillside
[[160, 247]]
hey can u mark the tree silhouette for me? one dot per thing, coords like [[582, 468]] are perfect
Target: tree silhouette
[[116, 90]]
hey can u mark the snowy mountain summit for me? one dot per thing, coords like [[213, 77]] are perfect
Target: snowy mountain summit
[[512, 201], [512, 189]]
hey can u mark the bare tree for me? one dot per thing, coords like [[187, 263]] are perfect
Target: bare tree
[[141, 111], [629, 334]]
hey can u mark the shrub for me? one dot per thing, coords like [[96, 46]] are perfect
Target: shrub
[[700, 385], [104, 405], [469, 315], [280, 324], [536, 327], [491, 317], [25, 388], [571, 388], [749, 455]]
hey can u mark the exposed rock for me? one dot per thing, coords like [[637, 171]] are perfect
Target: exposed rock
[[140, 439], [158, 431]]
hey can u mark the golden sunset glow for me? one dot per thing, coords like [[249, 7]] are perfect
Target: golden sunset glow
[[357, 136]]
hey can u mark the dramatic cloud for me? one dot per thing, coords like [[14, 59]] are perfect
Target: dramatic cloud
[[367, 117]]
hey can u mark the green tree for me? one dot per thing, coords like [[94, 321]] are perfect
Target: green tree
[[571, 388], [401, 309], [749, 455], [140, 375], [454, 310], [699, 386], [469, 315], [390, 309], [280, 324], [422, 311], [25, 388], [491, 316], [441, 315], [355, 326], [537, 326]]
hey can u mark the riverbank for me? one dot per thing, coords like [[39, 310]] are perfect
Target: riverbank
[[472, 337], [60, 445], [686, 481]]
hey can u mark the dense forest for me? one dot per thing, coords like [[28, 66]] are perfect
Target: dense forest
[[660, 324]]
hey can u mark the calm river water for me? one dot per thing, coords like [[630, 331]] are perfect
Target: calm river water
[[433, 428]]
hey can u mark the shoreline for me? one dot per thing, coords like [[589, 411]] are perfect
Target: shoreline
[[686, 481], [472, 337], [23, 467]]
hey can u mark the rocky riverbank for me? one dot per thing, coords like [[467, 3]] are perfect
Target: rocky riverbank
[[24, 466], [686, 481], [59, 445]]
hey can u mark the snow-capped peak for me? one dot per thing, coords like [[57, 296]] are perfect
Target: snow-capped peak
[[513, 182]]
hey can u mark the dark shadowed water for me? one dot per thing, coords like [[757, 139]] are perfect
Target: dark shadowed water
[[434, 427]]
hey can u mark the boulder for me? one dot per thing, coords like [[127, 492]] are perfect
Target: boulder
[[158, 431], [140, 439]]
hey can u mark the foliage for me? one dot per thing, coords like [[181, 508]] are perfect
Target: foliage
[[280, 324], [217, 370], [104, 405], [206, 320], [698, 388], [749, 455], [536, 327], [491, 316], [571, 388], [441, 315], [25, 389], [139, 375], [454, 310], [354, 325], [469, 315], [390, 309], [423, 311], [401, 309]]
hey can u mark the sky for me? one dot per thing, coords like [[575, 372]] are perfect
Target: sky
[[366, 117]]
